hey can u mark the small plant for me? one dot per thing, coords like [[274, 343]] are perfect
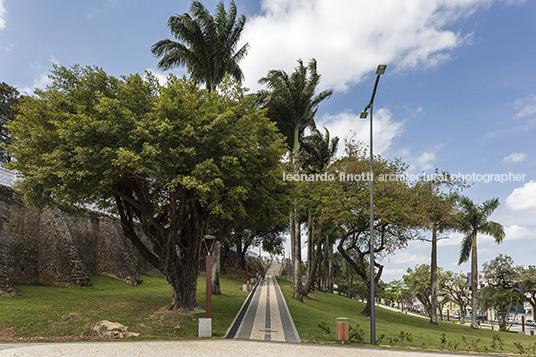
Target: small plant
[[357, 335], [324, 327], [470, 345], [443, 340], [380, 339], [404, 336], [529, 351], [497, 342]]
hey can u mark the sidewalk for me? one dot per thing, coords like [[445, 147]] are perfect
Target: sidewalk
[[264, 316]]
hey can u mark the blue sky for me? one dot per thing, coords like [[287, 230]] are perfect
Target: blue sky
[[459, 91]]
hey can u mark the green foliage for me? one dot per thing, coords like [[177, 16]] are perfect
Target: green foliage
[[418, 283], [443, 340], [9, 101], [497, 342], [356, 334], [529, 350], [324, 327], [475, 220], [501, 291], [170, 160], [292, 100], [206, 44], [470, 345]]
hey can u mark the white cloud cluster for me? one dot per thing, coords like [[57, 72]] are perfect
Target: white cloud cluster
[[349, 38], [426, 161], [523, 198], [39, 83], [348, 124], [514, 157], [2, 15]]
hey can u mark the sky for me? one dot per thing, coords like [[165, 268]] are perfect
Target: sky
[[458, 94]]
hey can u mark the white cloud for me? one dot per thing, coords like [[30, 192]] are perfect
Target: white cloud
[[348, 124], [349, 38], [514, 157], [518, 232], [523, 198], [426, 161], [2, 15], [454, 239], [39, 83], [161, 77], [405, 257]]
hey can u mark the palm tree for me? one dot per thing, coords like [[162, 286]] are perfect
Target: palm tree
[[206, 45], [292, 103], [475, 220], [317, 152]]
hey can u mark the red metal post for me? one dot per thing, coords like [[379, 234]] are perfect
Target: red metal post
[[209, 287]]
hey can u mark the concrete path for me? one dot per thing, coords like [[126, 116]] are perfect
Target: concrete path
[[264, 316], [187, 348]]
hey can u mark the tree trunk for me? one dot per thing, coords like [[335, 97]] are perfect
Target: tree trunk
[[183, 281], [296, 254], [314, 264], [216, 264], [433, 297], [474, 284]]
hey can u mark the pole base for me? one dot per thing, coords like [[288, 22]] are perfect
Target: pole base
[[205, 327]]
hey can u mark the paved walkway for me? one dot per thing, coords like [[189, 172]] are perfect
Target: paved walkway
[[264, 316], [210, 347]]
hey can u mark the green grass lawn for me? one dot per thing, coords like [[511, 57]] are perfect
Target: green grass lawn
[[55, 313], [46, 312], [411, 331]]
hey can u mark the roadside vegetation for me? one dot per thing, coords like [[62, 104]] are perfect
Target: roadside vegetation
[[315, 322]]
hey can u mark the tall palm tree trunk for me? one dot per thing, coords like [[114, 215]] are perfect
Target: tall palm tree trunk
[[474, 284], [433, 297]]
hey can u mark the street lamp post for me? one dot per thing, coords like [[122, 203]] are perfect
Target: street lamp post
[[205, 325], [363, 115]]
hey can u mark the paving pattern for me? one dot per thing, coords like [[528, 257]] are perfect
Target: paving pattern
[[264, 316]]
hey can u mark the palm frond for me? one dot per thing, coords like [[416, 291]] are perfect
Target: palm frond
[[465, 251], [494, 229]]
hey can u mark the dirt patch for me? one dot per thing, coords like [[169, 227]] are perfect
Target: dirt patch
[[7, 333]]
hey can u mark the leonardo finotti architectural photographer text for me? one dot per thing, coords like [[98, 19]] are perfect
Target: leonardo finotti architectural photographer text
[[366, 176]]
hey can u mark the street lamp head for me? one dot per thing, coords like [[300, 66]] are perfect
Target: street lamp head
[[363, 115], [210, 239], [381, 69]]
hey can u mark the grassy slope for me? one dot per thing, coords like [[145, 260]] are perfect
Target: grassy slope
[[44, 312], [323, 307], [50, 312]]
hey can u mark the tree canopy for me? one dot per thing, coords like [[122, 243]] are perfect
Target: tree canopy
[[174, 162], [9, 100]]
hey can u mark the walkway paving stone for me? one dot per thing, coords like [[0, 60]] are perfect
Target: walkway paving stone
[[264, 316]]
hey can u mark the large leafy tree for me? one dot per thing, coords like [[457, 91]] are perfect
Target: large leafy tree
[[418, 282], [455, 285], [527, 284], [292, 101], [174, 162], [501, 291], [207, 45], [474, 220], [343, 200], [9, 100]]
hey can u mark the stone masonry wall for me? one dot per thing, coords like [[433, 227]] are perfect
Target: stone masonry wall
[[62, 246]]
